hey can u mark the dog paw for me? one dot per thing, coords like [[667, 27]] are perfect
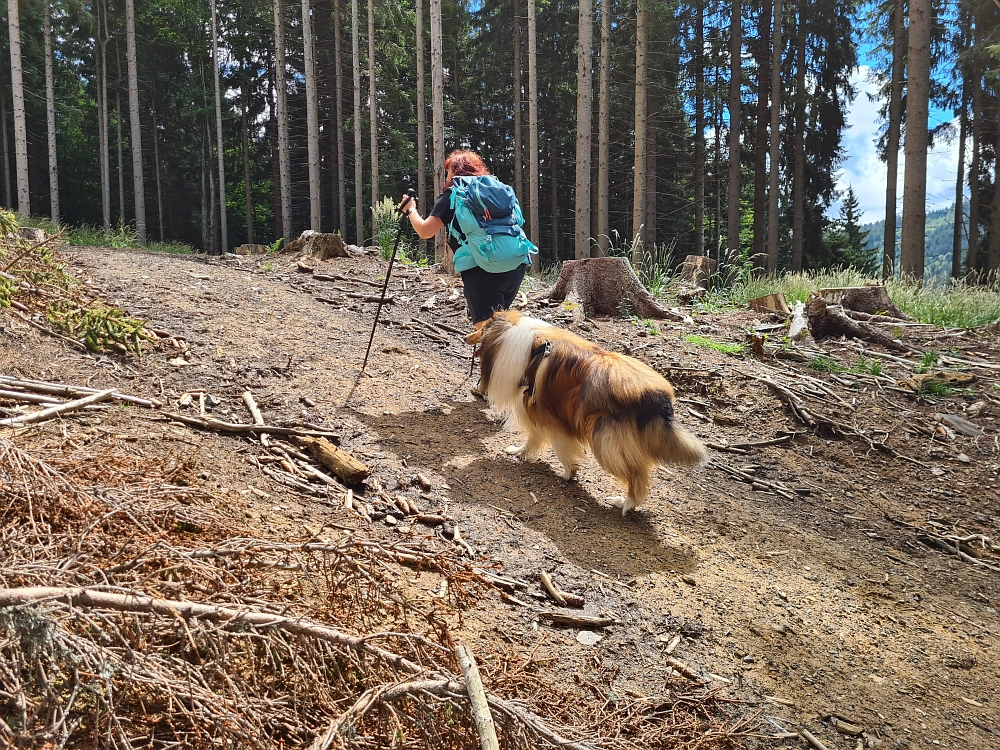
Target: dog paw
[[569, 474], [625, 503]]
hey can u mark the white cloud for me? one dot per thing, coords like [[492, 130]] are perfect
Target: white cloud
[[863, 170]]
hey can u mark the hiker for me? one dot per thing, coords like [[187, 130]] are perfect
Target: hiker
[[484, 222]]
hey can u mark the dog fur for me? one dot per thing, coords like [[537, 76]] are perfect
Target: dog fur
[[559, 389]]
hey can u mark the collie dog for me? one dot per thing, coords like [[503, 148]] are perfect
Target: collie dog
[[559, 389]]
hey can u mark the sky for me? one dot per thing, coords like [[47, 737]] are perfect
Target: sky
[[866, 174]]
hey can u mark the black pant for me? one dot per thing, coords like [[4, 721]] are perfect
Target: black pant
[[487, 292]]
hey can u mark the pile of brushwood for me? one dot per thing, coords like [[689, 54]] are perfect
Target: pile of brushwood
[[133, 613]]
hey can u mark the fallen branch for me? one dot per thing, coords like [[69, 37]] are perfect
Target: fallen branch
[[477, 699], [50, 332], [61, 389], [561, 597], [577, 620], [243, 429], [56, 410]]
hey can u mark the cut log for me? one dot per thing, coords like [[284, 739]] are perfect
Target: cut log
[[769, 303], [826, 321], [340, 462], [317, 245], [251, 250], [866, 299], [607, 286]]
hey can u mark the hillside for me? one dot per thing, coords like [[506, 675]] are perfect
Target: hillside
[[940, 229]]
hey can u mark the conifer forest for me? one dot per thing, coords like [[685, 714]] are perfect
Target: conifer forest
[[693, 127]]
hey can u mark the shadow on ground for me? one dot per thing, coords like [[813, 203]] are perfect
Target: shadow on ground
[[450, 441]]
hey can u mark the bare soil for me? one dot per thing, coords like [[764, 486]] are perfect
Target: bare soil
[[799, 606]]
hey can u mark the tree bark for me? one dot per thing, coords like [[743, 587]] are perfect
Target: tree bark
[[649, 224], [892, 140], [911, 250], [799, 147], [972, 260], [554, 203], [639, 128], [772, 193], [422, 112], [358, 158], [518, 144], [118, 123], [959, 220], [373, 107], [100, 12], [281, 91], [760, 136], [136, 137], [735, 70], [533, 221], [312, 119], [50, 111], [699, 129], [993, 259], [606, 286], [584, 128], [156, 172], [339, 124], [247, 187], [437, 120], [223, 214], [603, 130], [6, 150], [20, 121]]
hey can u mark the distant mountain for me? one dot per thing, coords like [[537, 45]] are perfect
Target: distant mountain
[[937, 242]]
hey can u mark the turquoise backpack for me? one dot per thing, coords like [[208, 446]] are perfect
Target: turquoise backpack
[[487, 225]]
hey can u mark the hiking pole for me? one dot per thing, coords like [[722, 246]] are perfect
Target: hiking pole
[[392, 259]]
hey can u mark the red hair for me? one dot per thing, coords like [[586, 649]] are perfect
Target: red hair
[[464, 163]]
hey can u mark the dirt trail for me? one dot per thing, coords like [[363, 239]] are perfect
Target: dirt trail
[[826, 603]]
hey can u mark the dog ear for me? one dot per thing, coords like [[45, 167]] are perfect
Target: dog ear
[[476, 337]]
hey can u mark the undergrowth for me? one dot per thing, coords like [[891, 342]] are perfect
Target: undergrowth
[[39, 284]]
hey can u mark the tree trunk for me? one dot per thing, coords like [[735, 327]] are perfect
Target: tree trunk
[[339, 124], [603, 129], [518, 145], [972, 260], [422, 113], [223, 219], [156, 172], [606, 286], [205, 239], [649, 223], [735, 70], [247, 187], [118, 123], [892, 140], [20, 121], [772, 194], [554, 201], [373, 108], [100, 12], [6, 149], [213, 235], [50, 111], [639, 128], [358, 159], [993, 260], [136, 136], [699, 129], [799, 147], [284, 157], [584, 124], [437, 120], [760, 137], [959, 220], [911, 250], [312, 119], [533, 221]]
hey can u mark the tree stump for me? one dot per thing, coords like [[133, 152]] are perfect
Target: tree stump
[[318, 245], [864, 299], [827, 321], [607, 286], [698, 270]]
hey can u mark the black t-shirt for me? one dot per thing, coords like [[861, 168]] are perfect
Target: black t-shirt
[[443, 210]]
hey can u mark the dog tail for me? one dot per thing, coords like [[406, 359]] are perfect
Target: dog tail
[[678, 446]]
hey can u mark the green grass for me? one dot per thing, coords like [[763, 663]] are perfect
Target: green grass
[[862, 367], [938, 389], [645, 324], [926, 362], [718, 346], [960, 305]]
